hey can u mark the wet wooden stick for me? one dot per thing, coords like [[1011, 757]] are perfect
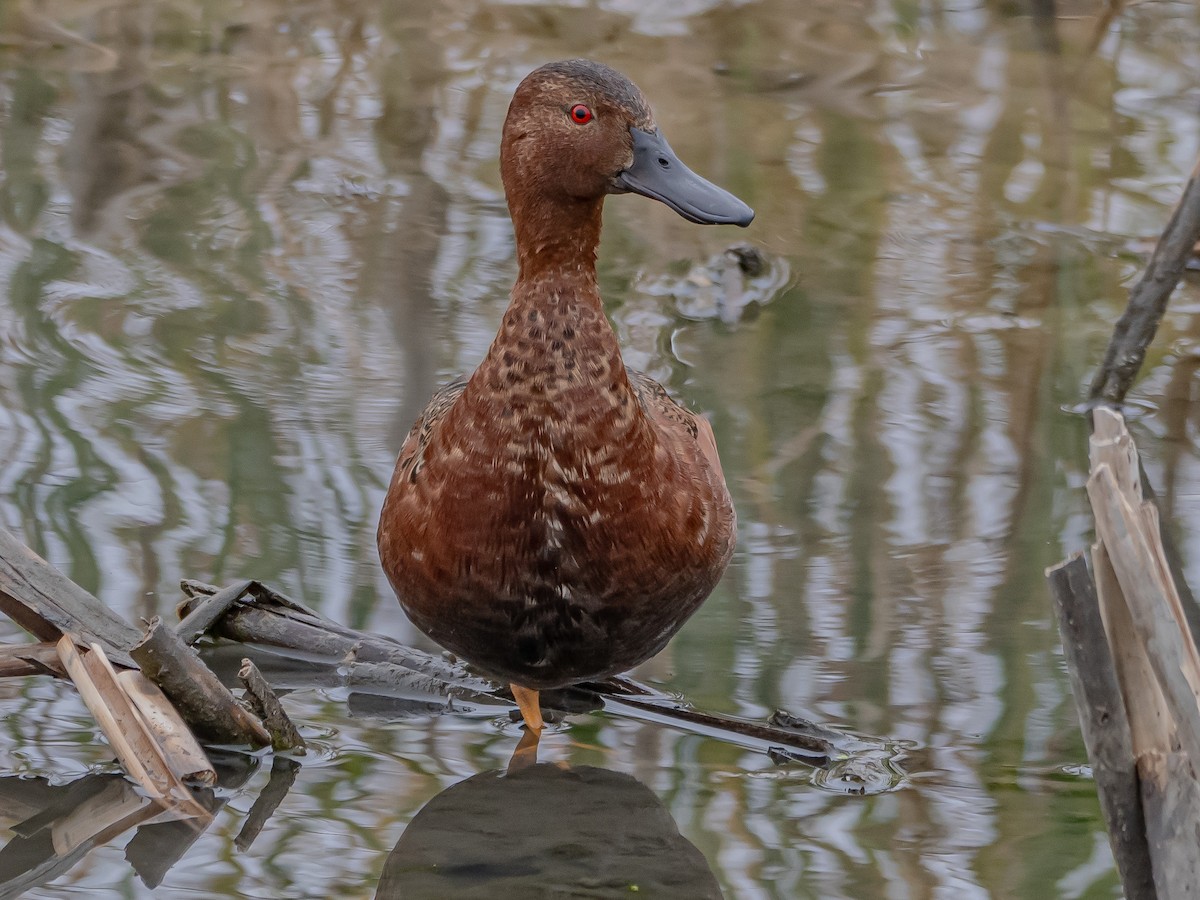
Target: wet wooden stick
[[206, 704], [284, 734], [797, 747], [1106, 732], [268, 622], [204, 614], [1148, 300], [402, 670], [30, 659], [48, 604]]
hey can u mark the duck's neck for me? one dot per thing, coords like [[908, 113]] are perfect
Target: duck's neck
[[556, 240], [555, 350]]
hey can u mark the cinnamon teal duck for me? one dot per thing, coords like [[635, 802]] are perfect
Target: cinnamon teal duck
[[556, 517]]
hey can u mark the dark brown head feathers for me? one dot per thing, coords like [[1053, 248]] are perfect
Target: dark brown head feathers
[[594, 82]]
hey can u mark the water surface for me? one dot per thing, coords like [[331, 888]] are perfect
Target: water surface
[[241, 244]]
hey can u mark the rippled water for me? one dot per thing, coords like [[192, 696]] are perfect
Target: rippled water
[[240, 245]]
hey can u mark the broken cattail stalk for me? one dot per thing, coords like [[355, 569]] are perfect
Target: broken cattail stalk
[[1156, 661], [114, 725], [207, 705], [183, 752], [1127, 534], [262, 699], [134, 745]]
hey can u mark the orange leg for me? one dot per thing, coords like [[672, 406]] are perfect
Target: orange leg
[[526, 753], [531, 710]]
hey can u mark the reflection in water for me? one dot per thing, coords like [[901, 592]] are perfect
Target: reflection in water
[[59, 824], [55, 826], [241, 243], [545, 831]]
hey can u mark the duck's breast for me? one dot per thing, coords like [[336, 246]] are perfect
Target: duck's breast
[[557, 539]]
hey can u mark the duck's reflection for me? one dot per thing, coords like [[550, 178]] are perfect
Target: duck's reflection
[[545, 831]]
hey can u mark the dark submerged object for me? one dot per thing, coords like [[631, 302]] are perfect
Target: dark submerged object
[[556, 517], [545, 832]]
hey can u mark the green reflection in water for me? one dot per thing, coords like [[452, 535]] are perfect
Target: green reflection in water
[[242, 246]]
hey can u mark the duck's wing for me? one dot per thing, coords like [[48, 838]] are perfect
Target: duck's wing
[[412, 452], [663, 409]]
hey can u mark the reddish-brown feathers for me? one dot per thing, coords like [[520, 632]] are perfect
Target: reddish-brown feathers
[[557, 518]]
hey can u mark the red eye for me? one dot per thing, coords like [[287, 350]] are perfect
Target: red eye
[[580, 114]]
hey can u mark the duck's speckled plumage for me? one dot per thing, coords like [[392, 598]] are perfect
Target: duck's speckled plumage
[[557, 517]]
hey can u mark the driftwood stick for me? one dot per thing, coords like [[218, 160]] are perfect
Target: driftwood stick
[[263, 623], [183, 753], [263, 594], [1171, 800], [1103, 721], [282, 670], [404, 692], [207, 611], [284, 734], [379, 664], [390, 679], [283, 776], [1148, 300], [816, 751], [205, 703], [373, 663], [30, 659], [48, 604]]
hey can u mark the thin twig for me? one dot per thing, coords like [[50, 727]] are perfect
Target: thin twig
[[284, 734], [1148, 300]]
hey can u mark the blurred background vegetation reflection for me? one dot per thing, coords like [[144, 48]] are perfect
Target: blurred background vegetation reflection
[[241, 243]]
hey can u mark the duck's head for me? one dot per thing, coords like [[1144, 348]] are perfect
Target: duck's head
[[577, 130]]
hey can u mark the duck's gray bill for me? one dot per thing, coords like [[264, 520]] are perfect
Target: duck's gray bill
[[657, 173]]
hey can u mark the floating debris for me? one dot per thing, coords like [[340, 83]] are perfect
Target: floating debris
[[723, 287]]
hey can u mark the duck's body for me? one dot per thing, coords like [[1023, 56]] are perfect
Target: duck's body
[[566, 516], [556, 518]]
